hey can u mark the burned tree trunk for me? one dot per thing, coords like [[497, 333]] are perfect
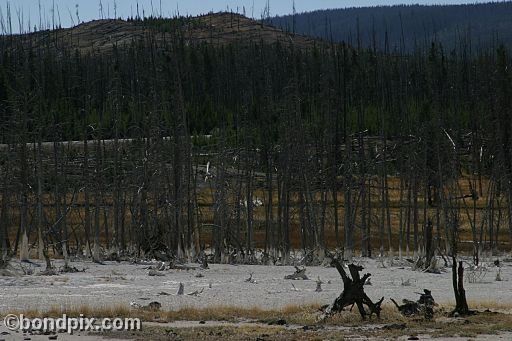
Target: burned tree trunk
[[461, 304], [353, 293]]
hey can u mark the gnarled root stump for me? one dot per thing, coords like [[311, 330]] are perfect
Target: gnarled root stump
[[424, 306], [353, 293]]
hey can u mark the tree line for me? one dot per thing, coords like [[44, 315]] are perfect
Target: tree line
[[485, 25]]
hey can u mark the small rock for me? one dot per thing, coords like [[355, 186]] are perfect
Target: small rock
[[135, 305], [279, 322], [395, 326], [311, 328], [171, 332], [155, 306], [155, 273]]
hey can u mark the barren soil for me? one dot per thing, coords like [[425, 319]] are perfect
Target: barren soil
[[119, 284]]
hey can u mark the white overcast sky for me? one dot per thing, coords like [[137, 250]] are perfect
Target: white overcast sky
[[27, 11]]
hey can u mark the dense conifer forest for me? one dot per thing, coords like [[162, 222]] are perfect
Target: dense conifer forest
[[484, 25]]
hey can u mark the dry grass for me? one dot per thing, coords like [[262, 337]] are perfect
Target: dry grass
[[344, 325], [338, 328], [293, 314], [205, 201], [226, 333], [481, 305], [389, 314]]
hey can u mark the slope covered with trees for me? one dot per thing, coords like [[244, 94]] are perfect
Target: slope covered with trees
[[408, 27], [163, 146]]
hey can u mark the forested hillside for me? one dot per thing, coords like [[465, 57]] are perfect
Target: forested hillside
[[407, 27], [278, 144]]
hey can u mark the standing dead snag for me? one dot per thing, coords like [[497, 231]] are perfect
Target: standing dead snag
[[353, 293], [204, 263], [461, 304]]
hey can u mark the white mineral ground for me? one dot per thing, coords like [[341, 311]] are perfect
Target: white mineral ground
[[118, 284]]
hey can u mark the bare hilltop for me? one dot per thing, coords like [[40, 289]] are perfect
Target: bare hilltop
[[216, 28]]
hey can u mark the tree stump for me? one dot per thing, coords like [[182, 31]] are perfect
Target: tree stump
[[424, 306], [181, 290], [204, 264], [353, 293]]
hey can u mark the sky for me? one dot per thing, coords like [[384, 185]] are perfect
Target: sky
[[40, 13]]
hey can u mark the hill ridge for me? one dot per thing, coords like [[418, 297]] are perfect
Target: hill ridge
[[217, 28]]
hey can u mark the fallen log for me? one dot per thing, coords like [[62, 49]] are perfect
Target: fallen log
[[153, 272], [353, 293], [299, 274], [173, 265], [153, 306], [196, 293]]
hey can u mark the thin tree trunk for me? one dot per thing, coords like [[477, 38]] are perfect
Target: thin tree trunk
[[250, 226], [39, 213], [97, 205], [87, 185], [24, 248]]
